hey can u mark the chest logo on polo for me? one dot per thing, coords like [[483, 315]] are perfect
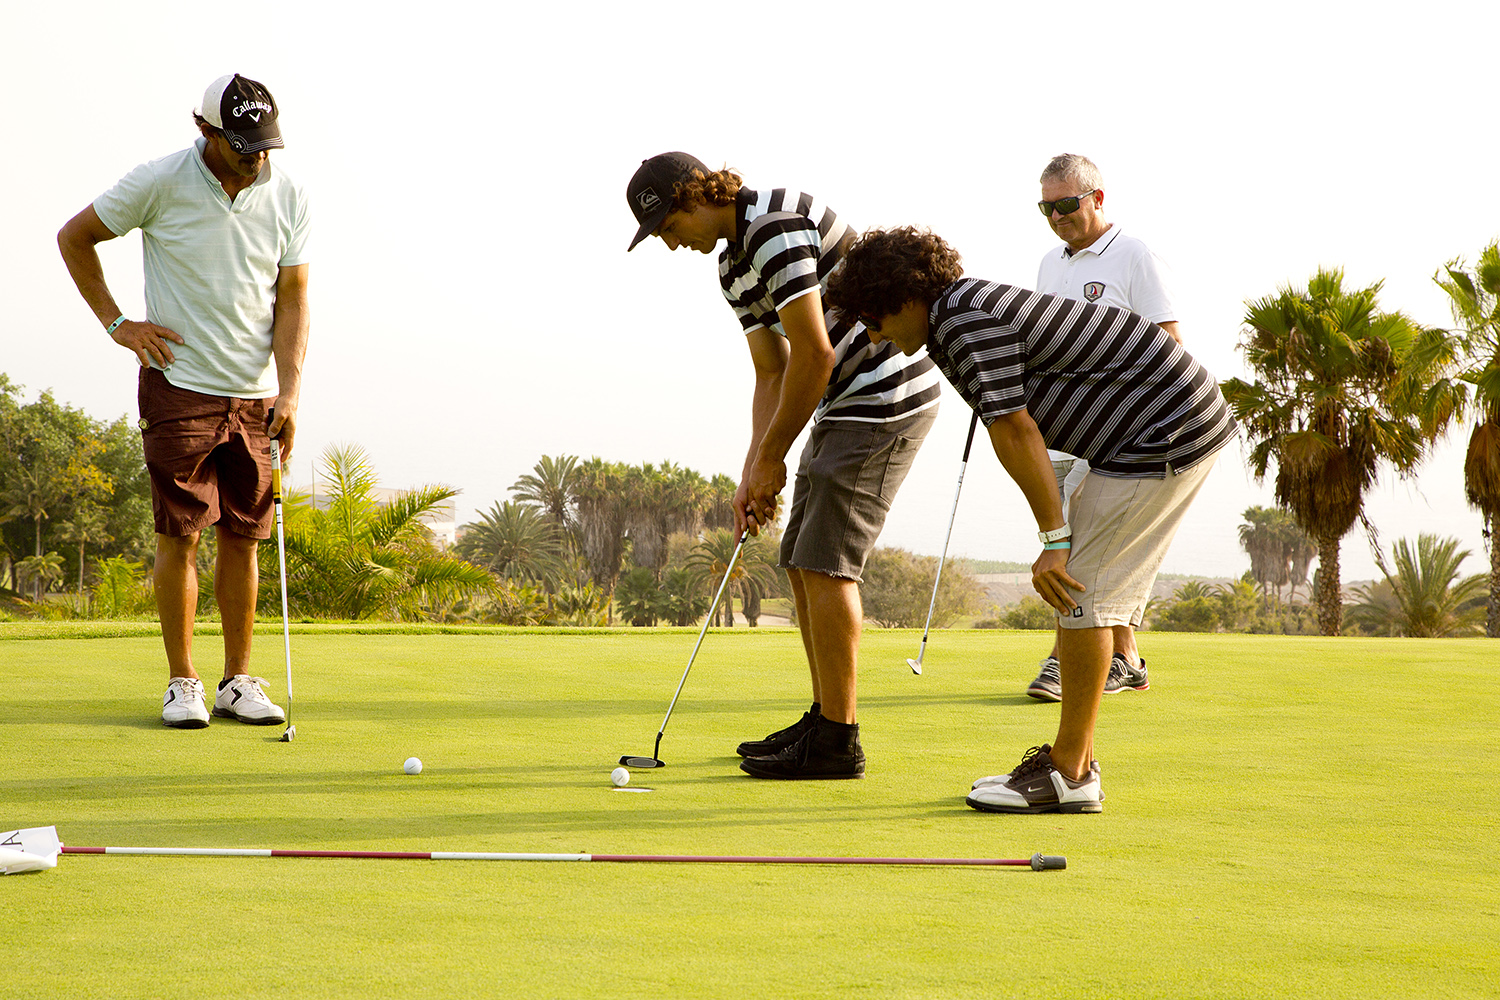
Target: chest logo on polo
[[1093, 290], [647, 199]]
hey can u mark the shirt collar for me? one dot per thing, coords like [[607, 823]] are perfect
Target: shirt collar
[[1097, 247], [200, 144]]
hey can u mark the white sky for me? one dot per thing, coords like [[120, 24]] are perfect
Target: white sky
[[474, 307]]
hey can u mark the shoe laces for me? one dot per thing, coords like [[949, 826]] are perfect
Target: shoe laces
[[1035, 759], [254, 685], [186, 688]]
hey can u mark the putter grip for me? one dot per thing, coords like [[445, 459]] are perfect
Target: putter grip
[[1045, 862]]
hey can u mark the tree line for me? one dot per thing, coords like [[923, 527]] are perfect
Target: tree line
[[1340, 389], [73, 491]]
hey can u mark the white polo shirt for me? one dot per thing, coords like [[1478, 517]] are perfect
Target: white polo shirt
[[1115, 270], [211, 264]]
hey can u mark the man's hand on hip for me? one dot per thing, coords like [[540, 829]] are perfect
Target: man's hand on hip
[[147, 341]]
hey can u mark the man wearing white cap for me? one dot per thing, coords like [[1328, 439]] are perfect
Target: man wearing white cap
[[225, 247]]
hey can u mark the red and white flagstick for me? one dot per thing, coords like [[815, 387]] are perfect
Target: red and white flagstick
[[1037, 862]]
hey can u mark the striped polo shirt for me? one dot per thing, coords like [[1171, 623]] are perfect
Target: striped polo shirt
[[786, 244], [1100, 382]]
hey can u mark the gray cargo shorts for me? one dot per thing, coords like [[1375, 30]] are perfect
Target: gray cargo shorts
[[848, 475]]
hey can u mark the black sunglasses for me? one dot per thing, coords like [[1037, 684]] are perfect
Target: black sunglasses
[[1065, 206], [869, 323]]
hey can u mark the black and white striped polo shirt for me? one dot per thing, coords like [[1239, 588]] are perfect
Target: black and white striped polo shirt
[[1100, 382], [786, 244]]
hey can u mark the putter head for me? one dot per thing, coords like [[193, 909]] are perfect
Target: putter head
[[916, 665], [640, 762], [1046, 862], [289, 735]]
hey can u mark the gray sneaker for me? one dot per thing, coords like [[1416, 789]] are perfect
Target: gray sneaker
[[1048, 683], [1123, 676]]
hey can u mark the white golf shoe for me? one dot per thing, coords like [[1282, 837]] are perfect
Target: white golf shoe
[[1036, 786], [182, 706], [241, 697]]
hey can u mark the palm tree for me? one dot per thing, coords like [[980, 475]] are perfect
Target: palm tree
[[515, 541], [1341, 388], [662, 501], [639, 597], [357, 557], [87, 525], [718, 502], [552, 485], [42, 570], [1424, 596], [756, 566], [1192, 590], [1475, 300], [1279, 550], [602, 504]]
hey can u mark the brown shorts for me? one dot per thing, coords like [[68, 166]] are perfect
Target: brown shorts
[[209, 459], [850, 471]]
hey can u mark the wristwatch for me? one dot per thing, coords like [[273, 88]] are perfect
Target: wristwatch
[[1055, 534]]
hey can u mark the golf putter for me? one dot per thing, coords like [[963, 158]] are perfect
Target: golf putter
[[655, 759], [916, 665], [286, 626]]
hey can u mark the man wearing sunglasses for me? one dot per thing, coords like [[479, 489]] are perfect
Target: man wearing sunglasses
[[870, 408], [1100, 264]]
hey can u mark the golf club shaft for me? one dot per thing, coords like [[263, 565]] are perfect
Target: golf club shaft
[[932, 605], [1037, 862], [286, 622], [701, 633]]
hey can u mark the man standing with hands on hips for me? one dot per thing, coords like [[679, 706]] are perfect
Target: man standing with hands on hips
[[1100, 264], [225, 245]]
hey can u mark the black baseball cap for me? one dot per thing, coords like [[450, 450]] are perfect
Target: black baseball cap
[[244, 111], [653, 189]]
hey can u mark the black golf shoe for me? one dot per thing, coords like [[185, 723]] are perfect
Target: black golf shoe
[[830, 750], [782, 738]]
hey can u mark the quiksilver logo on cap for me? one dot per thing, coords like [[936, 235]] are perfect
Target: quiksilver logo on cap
[[647, 199]]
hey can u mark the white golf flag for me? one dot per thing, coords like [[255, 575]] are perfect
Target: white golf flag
[[32, 850]]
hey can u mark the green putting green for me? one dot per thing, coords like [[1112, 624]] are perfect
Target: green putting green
[[1286, 817]]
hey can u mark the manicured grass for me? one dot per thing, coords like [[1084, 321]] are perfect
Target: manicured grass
[[1286, 817]]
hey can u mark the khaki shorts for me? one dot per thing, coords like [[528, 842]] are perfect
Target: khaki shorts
[[1122, 529], [848, 476], [209, 459]]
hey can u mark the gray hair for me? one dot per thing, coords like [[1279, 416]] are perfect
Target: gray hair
[[1072, 167]]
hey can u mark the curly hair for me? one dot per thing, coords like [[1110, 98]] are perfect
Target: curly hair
[[887, 268], [717, 189]]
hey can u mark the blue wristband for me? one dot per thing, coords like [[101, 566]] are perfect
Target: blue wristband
[[110, 331], [1058, 545]]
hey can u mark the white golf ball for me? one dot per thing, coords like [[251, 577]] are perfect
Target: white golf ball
[[413, 765], [620, 777]]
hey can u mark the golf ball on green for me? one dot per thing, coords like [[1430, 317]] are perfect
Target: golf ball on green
[[412, 766], [620, 777]]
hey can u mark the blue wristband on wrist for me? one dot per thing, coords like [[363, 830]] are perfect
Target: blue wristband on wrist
[[110, 330], [1058, 545]]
